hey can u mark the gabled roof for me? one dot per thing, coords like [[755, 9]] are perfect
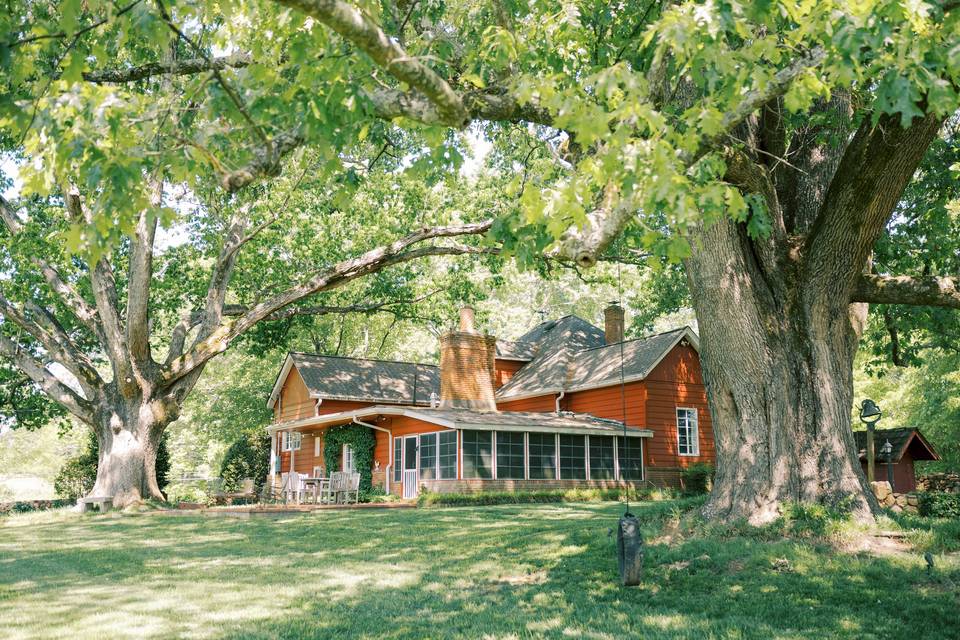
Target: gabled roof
[[568, 365], [556, 342], [565, 422], [338, 378], [511, 350], [902, 440]]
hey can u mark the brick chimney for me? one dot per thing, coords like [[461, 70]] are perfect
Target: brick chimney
[[467, 367], [613, 323]]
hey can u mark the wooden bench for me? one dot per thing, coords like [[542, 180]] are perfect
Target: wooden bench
[[103, 503]]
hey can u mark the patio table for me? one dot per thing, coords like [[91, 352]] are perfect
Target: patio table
[[316, 485]]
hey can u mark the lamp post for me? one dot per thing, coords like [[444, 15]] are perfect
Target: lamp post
[[887, 451], [869, 415]]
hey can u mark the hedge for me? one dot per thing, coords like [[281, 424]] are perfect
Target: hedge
[[26, 506], [939, 504], [431, 499]]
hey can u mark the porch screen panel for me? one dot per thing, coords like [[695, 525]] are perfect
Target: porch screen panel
[[428, 456], [478, 454], [447, 441], [509, 455], [572, 457], [543, 456], [630, 457], [397, 458], [601, 458]]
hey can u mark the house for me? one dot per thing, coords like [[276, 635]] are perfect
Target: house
[[544, 411], [907, 446]]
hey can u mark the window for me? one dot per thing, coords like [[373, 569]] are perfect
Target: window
[[447, 441], [688, 435], [477, 454], [290, 440], [510, 455], [601, 458], [397, 459], [542, 456], [630, 457], [572, 465], [428, 456], [348, 462]]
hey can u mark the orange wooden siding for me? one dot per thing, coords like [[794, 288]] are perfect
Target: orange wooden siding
[[676, 382], [536, 404], [609, 402], [504, 370]]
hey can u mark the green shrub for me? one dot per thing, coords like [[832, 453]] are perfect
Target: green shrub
[[432, 499], [361, 440], [248, 457], [939, 504], [79, 473], [26, 506], [697, 478]]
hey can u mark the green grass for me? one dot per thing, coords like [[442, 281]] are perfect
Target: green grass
[[474, 572]]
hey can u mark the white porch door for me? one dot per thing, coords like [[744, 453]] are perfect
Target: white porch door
[[410, 467]]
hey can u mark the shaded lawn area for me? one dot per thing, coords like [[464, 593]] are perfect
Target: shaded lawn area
[[495, 572]]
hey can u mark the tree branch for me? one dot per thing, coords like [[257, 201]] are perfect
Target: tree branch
[[185, 67], [933, 291], [336, 276], [359, 29], [85, 313], [49, 383], [602, 226]]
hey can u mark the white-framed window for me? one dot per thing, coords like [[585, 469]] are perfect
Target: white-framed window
[[348, 463], [290, 440], [688, 432]]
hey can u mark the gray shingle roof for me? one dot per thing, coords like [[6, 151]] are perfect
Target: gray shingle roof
[[557, 341], [510, 350], [367, 380], [570, 358], [899, 439]]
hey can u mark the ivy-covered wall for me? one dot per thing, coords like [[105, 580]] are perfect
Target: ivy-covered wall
[[361, 440]]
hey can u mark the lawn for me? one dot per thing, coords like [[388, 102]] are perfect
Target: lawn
[[480, 572]]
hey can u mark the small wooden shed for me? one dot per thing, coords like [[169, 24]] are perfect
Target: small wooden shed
[[908, 444]]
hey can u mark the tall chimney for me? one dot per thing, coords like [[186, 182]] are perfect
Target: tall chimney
[[613, 323], [467, 367]]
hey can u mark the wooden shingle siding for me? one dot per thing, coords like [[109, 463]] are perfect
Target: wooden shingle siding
[[504, 370], [538, 404], [676, 382]]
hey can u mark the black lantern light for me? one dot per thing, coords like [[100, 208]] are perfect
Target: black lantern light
[[887, 451]]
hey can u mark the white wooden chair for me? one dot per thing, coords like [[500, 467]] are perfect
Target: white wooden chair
[[351, 486], [330, 491]]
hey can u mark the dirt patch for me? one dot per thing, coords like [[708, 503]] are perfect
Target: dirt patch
[[879, 545]]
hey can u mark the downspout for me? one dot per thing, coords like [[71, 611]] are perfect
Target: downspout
[[559, 398], [316, 409], [389, 448]]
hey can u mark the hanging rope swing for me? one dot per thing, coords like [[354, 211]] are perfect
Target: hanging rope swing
[[629, 540]]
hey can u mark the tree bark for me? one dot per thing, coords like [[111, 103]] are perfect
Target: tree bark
[[129, 437], [779, 386]]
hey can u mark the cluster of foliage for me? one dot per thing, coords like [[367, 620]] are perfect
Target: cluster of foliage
[[79, 473], [361, 440], [925, 395], [455, 499], [939, 504], [248, 457], [26, 506], [697, 477]]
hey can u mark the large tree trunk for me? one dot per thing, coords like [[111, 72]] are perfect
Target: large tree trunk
[[129, 438], [778, 366]]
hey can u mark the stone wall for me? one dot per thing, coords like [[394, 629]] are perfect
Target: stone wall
[[946, 482], [894, 501]]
